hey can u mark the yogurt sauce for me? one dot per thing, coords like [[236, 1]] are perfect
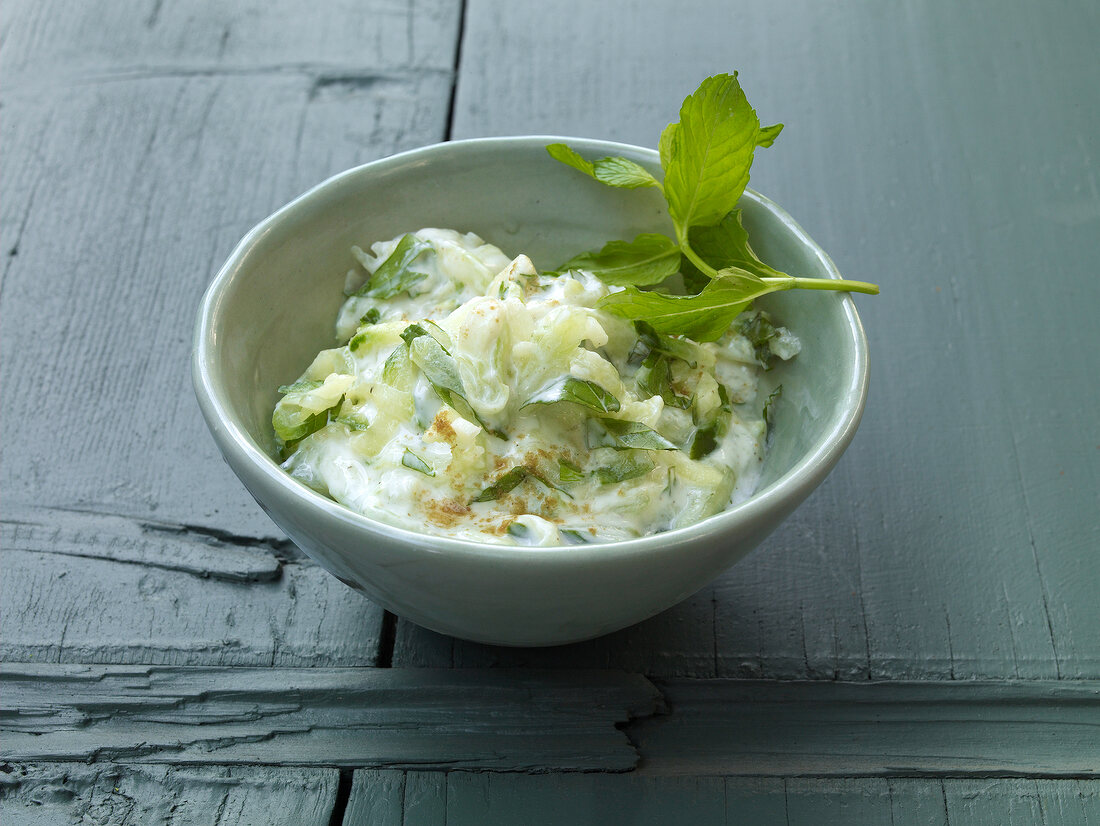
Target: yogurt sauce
[[478, 399]]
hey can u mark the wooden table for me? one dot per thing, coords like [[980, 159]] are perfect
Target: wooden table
[[919, 643]]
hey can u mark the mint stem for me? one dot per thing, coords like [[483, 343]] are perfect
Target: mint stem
[[793, 283], [788, 283]]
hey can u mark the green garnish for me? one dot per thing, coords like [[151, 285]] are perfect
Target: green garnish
[[414, 462], [574, 537], [300, 386], [706, 157], [511, 480], [441, 370], [578, 391], [518, 530], [648, 259], [760, 332], [611, 171], [569, 472], [628, 467], [654, 378], [395, 275], [773, 397], [625, 435]]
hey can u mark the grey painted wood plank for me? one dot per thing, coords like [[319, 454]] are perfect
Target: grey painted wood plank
[[505, 720], [956, 539], [50, 39], [153, 544], [950, 729], [61, 608], [461, 798], [387, 797], [135, 157], [113, 795]]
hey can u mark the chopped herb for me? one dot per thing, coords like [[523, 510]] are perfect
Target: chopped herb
[[511, 480], [414, 462], [300, 386], [769, 405], [441, 370], [518, 530], [573, 536], [578, 391], [372, 316], [760, 332], [654, 378], [394, 274], [569, 472], [626, 468], [703, 441], [625, 435]]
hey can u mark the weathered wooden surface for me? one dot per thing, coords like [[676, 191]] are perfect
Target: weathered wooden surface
[[89, 588], [957, 539], [937, 148], [534, 721], [104, 795], [948, 729], [389, 798], [565, 720], [139, 146]]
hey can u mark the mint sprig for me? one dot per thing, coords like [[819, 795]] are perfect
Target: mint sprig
[[706, 157]]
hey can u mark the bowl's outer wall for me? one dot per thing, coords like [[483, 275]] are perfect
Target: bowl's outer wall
[[273, 306]]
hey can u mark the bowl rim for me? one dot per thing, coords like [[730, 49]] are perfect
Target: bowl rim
[[793, 486]]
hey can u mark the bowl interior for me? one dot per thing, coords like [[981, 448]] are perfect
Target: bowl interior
[[273, 306]]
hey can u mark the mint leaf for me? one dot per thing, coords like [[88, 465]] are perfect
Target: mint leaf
[[502, 485], [394, 275], [654, 378], [650, 340], [622, 172], [760, 332], [628, 467], [664, 146], [703, 442], [768, 134], [726, 244], [702, 317], [568, 156], [648, 259], [578, 391], [441, 370], [574, 537], [626, 435], [614, 171], [569, 472], [510, 480], [300, 386], [414, 462], [710, 153]]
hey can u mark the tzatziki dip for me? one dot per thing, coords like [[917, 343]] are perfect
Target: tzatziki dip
[[476, 398]]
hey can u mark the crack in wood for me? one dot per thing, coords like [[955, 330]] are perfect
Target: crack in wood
[[501, 720]]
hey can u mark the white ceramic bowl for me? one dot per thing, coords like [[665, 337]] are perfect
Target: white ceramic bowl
[[272, 307]]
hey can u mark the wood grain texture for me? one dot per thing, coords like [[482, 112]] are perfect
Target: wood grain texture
[[48, 794], [392, 798], [138, 149], [504, 720], [60, 608], [957, 539], [946, 729]]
